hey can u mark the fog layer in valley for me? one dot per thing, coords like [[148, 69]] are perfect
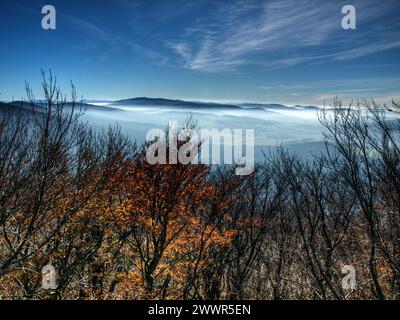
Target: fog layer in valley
[[297, 127]]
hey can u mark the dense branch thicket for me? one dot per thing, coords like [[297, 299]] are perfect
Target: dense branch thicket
[[116, 227]]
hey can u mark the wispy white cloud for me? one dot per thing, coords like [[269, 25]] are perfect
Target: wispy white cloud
[[283, 33], [359, 84], [101, 36], [380, 89]]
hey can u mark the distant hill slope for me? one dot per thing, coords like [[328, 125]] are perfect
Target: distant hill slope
[[272, 106], [83, 105], [161, 102], [18, 107], [39, 106]]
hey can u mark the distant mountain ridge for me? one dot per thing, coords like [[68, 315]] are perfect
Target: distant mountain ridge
[[39, 106], [164, 103]]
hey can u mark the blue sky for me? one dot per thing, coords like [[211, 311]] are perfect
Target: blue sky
[[285, 51]]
